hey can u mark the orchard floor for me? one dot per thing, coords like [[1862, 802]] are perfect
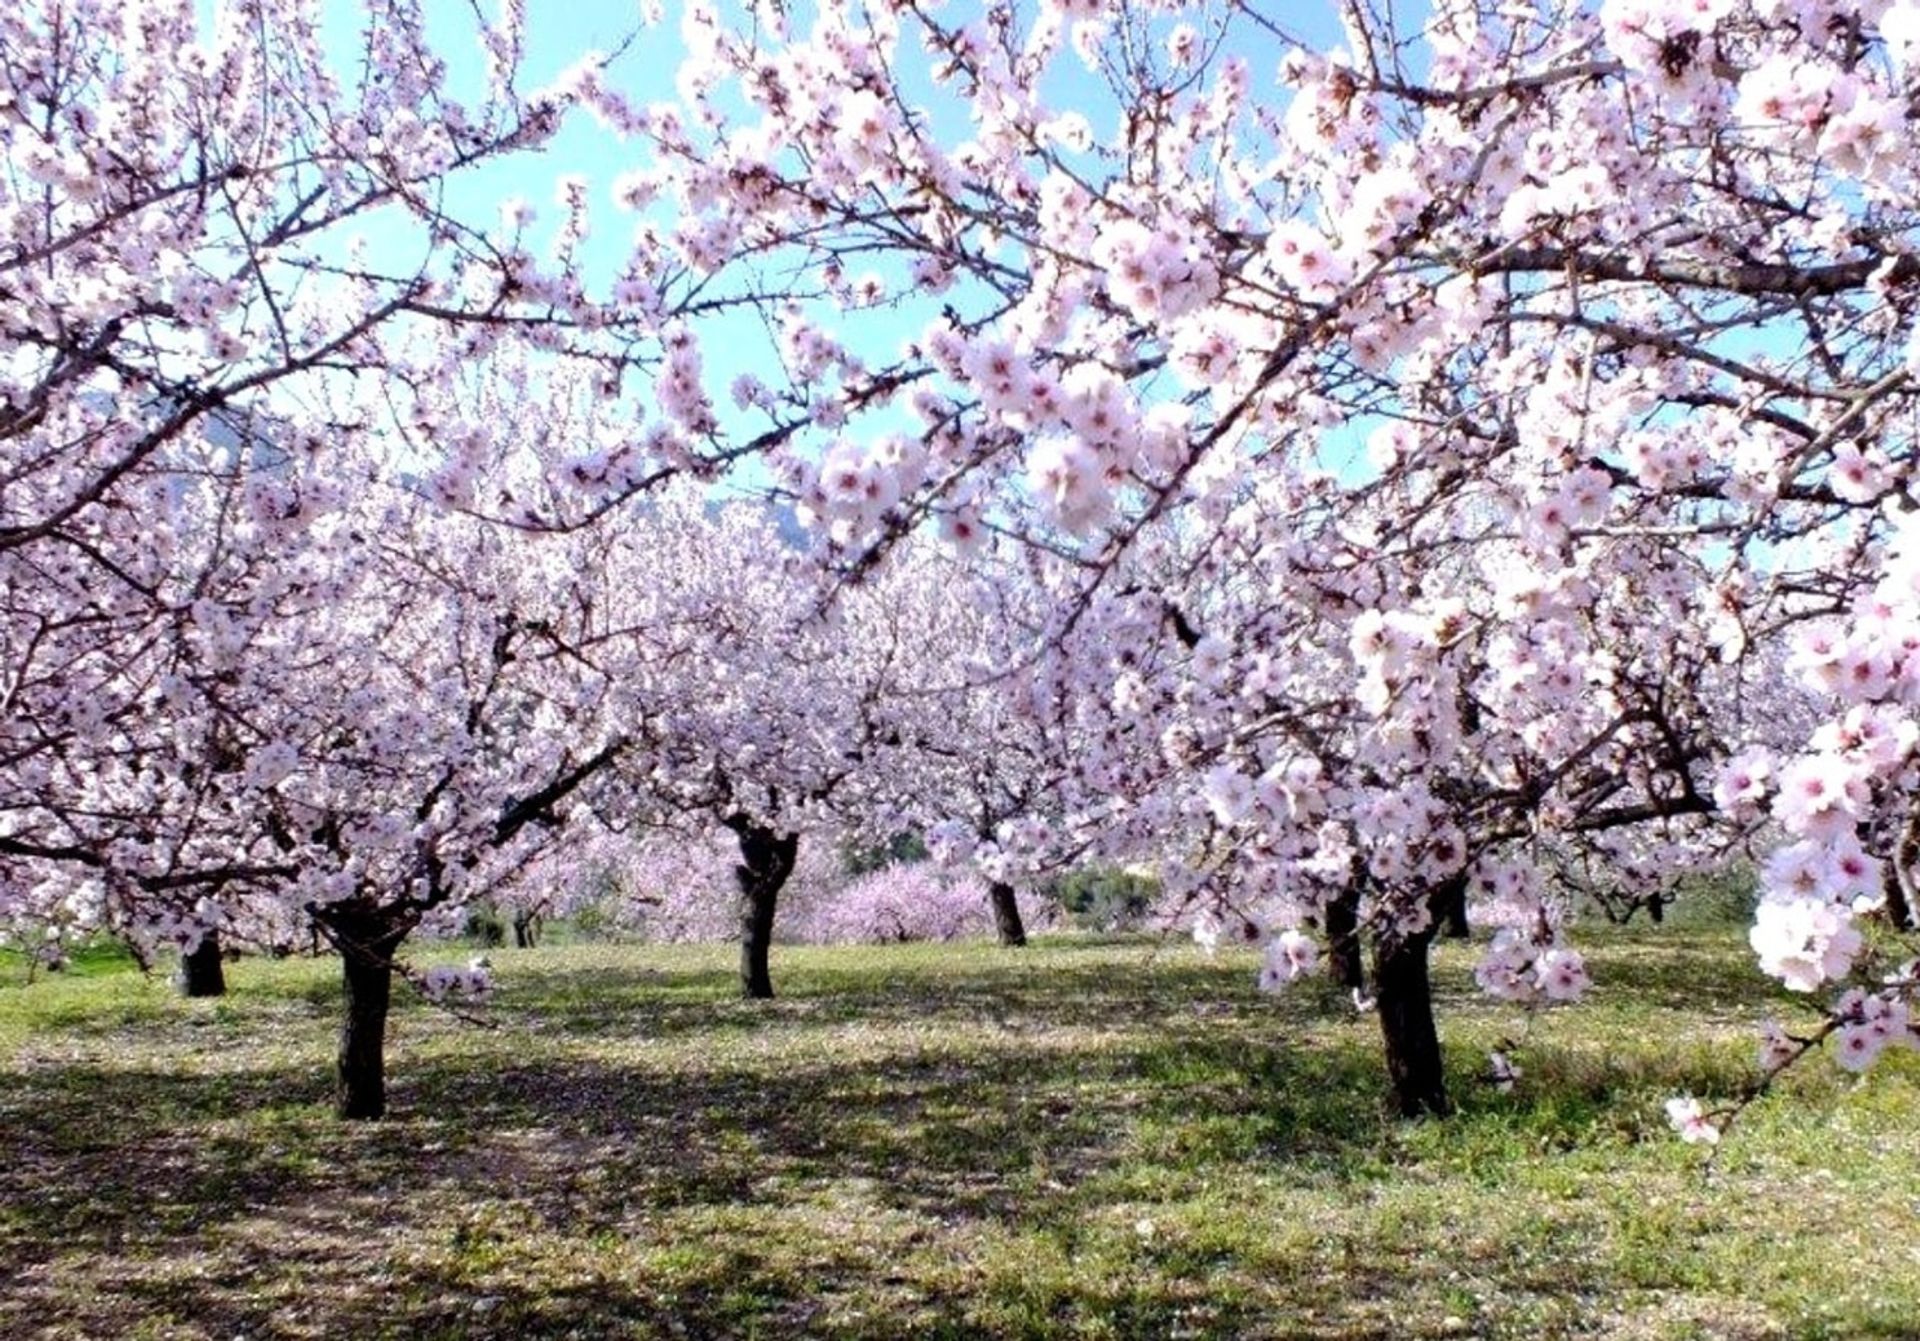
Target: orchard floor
[[1087, 1138]]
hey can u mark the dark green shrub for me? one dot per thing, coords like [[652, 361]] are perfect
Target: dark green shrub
[[1105, 898], [485, 927]]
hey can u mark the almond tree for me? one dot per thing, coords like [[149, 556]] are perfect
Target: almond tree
[[983, 739], [1562, 350], [358, 720], [768, 703], [245, 314]]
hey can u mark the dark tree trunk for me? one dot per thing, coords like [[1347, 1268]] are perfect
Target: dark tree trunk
[[1006, 913], [1451, 904], [526, 930], [1343, 939], [766, 860], [367, 941], [1405, 994], [201, 973], [1899, 910], [1657, 909]]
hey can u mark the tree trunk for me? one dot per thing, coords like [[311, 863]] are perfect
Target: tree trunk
[[1343, 939], [1452, 907], [201, 973], [526, 930], [1899, 910], [367, 942], [1006, 913], [1405, 994], [766, 860]]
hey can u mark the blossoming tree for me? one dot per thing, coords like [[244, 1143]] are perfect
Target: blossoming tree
[[357, 721], [778, 704], [245, 315], [1566, 352], [1437, 444]]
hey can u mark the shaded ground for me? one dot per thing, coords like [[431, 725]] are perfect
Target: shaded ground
[[1084, 1139]]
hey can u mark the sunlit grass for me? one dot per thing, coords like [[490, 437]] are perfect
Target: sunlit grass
[[1094, 1139]]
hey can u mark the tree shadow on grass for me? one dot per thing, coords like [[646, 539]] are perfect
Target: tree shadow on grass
[[183, 1226], [715, 1194], [1690, 973], [1055, 990]]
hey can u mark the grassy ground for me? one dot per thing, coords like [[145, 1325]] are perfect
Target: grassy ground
[[1100, 1139]]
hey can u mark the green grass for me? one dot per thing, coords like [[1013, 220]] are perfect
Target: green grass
[[1085, 1139], [91, 959]]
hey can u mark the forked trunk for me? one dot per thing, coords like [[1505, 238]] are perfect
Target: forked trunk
[[367, 942], [1404, 991], [1006, 913], [766, 860], [1343, 939], [526, 930], [201, 972]]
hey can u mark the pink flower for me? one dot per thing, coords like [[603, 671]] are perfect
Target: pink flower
[[1229, 793], [1562, 975], [1066, 476], [1289, 955], [1776, 1049], [1743, 781], [1857, 1045], [1817, 654], [1856, 476], [1686, 1118], [1821, 795], [1306, 262], [1803, 942]]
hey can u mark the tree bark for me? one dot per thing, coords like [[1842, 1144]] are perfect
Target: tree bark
[[367, 942], [1452, 908], [1006, 913], [1900, 873], [526, 930], [766, 860], [1404, 991], [201, 972], [1343, 939], [1899, 911]]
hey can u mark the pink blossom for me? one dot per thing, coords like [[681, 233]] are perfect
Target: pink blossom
[[1686, 1117], [1804, 942], [1288, 956]]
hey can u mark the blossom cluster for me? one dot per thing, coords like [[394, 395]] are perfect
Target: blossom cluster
[[458, 984]]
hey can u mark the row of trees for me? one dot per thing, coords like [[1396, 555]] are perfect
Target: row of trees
[[1483, 462]]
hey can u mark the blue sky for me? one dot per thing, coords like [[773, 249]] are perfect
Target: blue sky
[[560, 33]]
